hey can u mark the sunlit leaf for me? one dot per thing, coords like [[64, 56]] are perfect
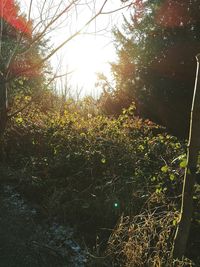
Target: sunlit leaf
[[183, 163], [103, 160], [21, 82], [158, 190], [19, 120], [164, 169], [172, 177]]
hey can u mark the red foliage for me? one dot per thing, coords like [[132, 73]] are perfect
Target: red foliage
[[9, 12]]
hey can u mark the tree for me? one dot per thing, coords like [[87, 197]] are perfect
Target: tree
[[8, 38], [17, 58], [168, 35], [183, 229], [156, 49]]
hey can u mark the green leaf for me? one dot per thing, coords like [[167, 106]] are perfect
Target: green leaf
[[177, 145], [19, 120], [172, 177], [82, 134], [158, 190], [141, 147], [21, 82], [183, 163], [164, 169], [103, 160]]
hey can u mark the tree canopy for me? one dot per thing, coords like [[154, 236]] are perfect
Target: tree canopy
[[156, 49]]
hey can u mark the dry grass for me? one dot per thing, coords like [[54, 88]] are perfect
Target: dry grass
[[146, 239]]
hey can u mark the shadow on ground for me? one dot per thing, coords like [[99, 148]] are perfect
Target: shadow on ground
[[26, 241]]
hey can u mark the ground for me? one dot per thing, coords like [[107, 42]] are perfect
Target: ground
[[27, 240]]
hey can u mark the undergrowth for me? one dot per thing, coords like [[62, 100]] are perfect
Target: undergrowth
[[147, 238], [92, 170]]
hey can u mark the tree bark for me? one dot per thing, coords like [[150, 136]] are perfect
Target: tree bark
[[182, 232]]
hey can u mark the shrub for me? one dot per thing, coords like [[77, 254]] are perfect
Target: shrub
[[89, 170]]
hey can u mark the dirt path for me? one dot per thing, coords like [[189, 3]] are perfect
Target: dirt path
[[27, 242]]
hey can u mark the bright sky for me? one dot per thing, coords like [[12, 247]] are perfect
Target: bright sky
[[87, 53]]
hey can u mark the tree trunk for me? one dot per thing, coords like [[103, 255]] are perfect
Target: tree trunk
[[183, 229], [3, 105]]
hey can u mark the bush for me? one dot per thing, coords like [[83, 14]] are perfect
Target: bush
[[90, 169]]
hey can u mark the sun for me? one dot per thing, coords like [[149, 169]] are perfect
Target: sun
[[82, 58], [84, 54], [86, 57]]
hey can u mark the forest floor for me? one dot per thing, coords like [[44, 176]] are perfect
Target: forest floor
[[26, 239]]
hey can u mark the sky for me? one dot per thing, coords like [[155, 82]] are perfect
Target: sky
[[88, 53]]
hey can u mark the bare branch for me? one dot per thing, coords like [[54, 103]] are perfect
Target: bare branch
[[30, 8]]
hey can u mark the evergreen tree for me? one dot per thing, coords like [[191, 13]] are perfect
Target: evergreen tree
[[156, 60]]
